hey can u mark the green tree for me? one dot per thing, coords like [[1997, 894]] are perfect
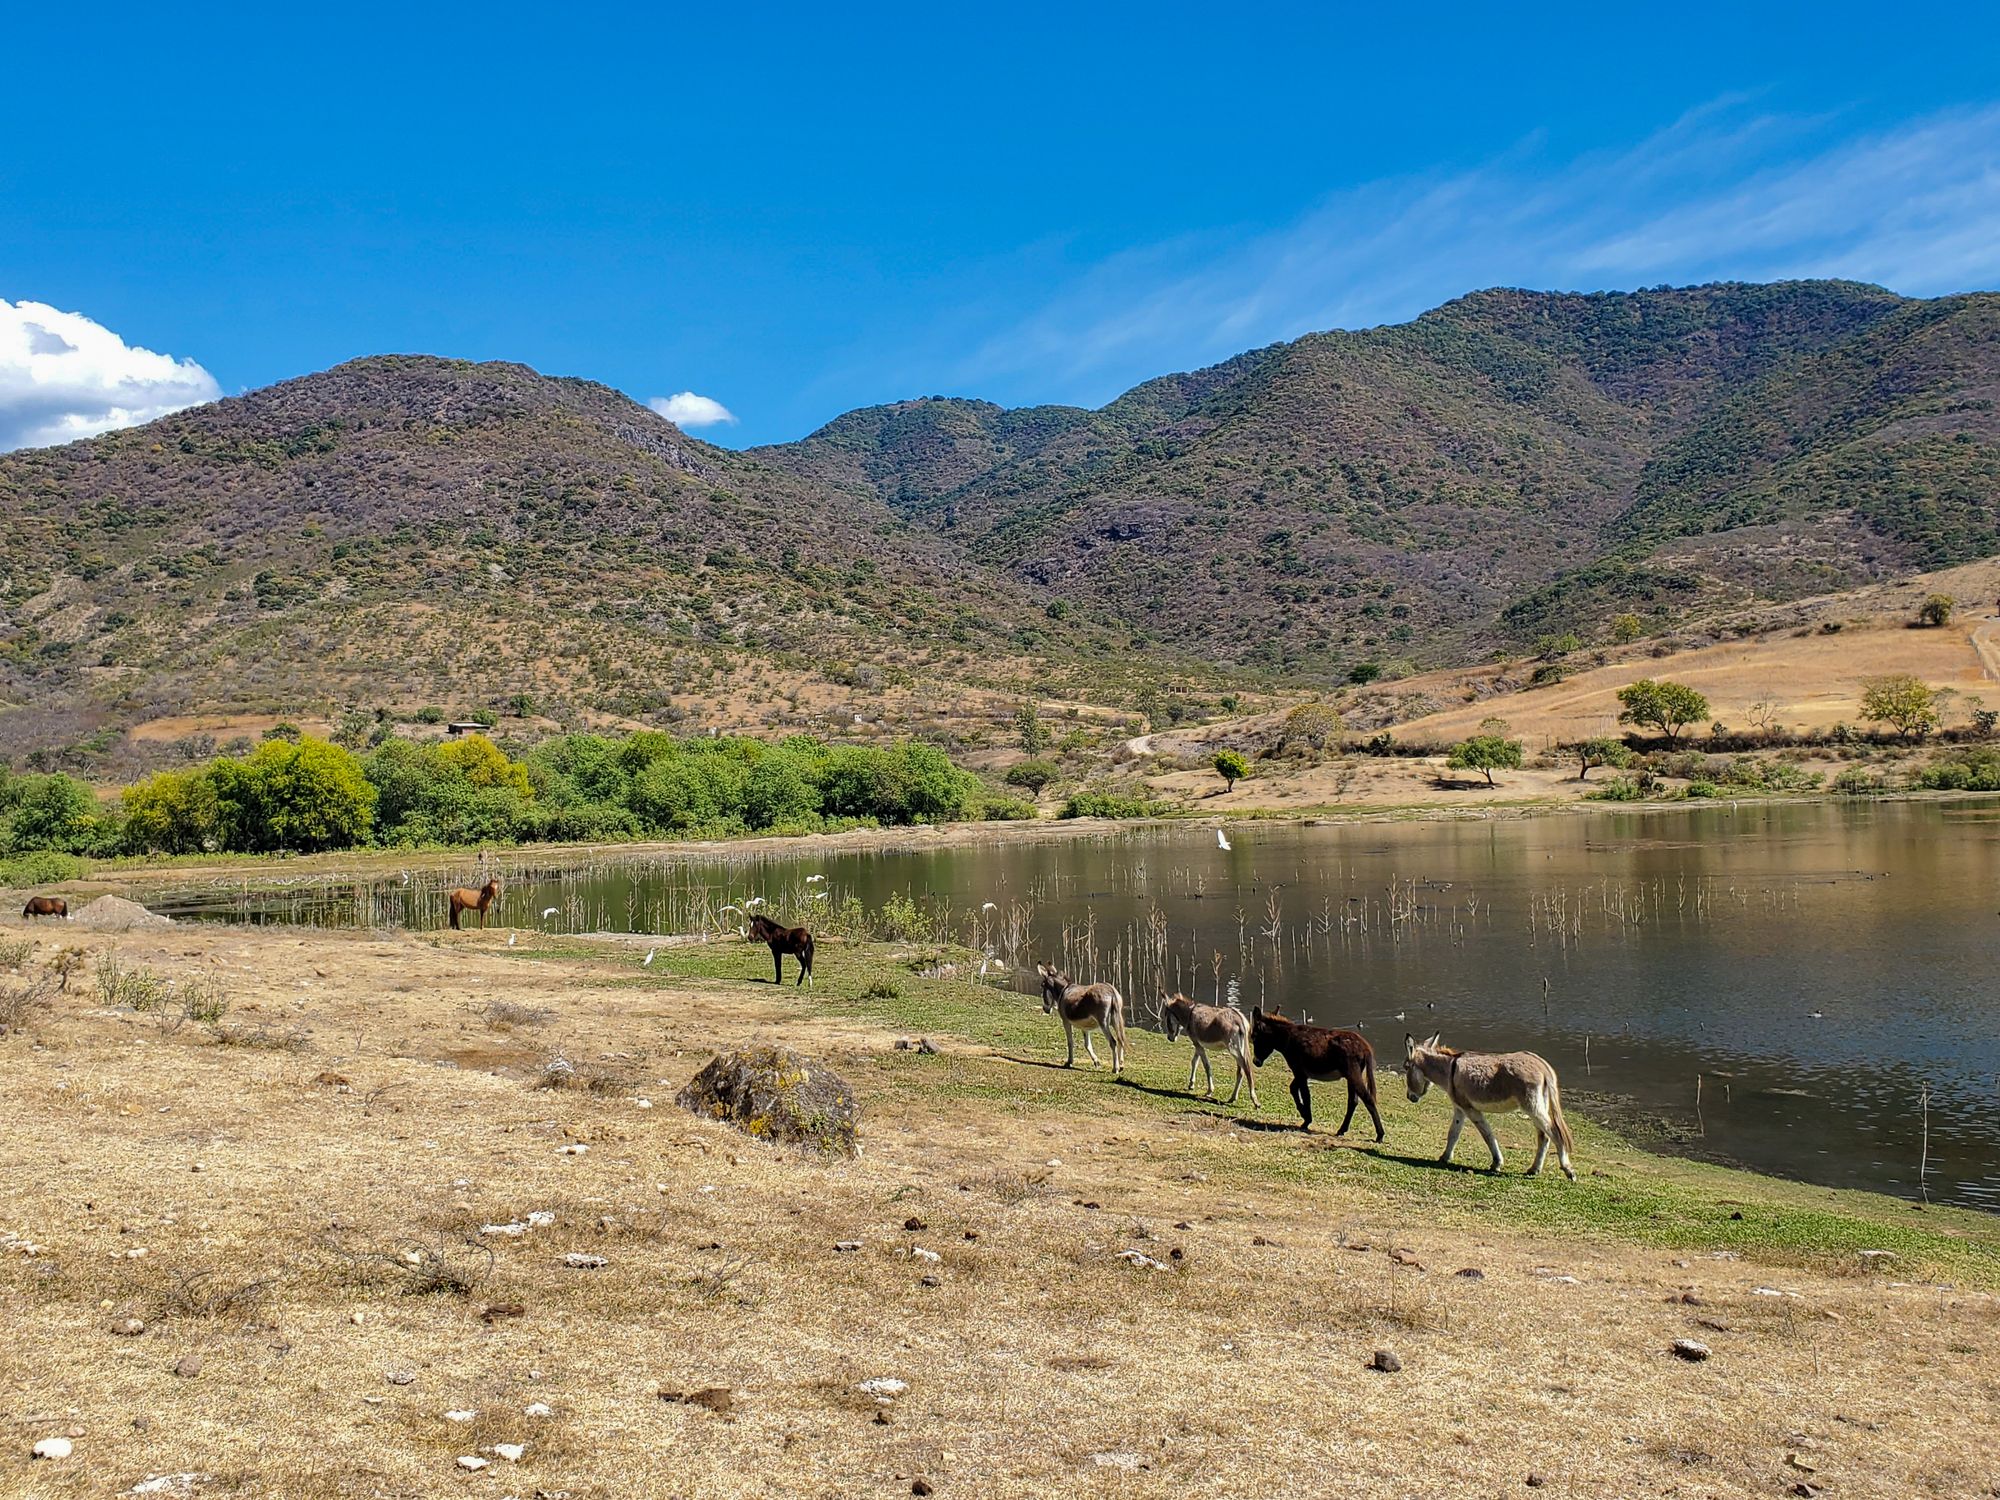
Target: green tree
[[52, 812], [1626, 628], [1033, 776], [1032, 733], [1317, 727], [1555, 647], [1231, 767], [1903, 702], [1602, 751], [1936, 610], [1486, 753], [1666, 706], [305, 795], [174, 812]]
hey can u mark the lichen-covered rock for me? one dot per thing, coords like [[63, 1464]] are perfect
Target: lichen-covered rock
[[776, 1095]]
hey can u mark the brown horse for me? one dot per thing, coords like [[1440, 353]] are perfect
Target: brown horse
[[797, 941], [45, 906], [463, 900], [1322, 1053]]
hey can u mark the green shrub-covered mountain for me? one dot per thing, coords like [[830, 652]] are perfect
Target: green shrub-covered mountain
[[405, 531]]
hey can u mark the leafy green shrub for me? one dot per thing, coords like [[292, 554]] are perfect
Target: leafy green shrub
[[1974, 770], [1858, 781], [1110, 805], [1619, 789], [43, 867], [1486, 753], [1703, 789], [997, 809], [1231, 767]]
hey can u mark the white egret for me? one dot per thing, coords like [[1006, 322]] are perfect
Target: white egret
[[644, 962], [513, 938], [1221, 839], [549, 911]]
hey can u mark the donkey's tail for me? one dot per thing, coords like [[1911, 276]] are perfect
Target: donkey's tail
[[1117, 1017], [1368, 1072], [1564, 1139]]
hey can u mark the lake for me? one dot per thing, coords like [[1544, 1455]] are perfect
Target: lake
[[1805, 988]]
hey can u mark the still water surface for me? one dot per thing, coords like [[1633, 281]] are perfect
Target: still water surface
[[1781, 985]]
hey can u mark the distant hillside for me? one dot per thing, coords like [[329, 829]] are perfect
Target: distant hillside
[[404, 531], [410, 531], [1511, 463]]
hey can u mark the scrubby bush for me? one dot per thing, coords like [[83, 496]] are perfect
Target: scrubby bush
[[1486, 753], [1032, 775], [1231, 767], [1666, 706], [1904, 702], [1974, 770], [1110, 805]]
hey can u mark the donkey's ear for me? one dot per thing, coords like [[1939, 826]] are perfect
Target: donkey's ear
[[1436, 1037], [1043, 970], [1409, 1046], [1257, 1012]]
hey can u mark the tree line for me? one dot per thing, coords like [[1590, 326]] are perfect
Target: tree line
[[299, 793]]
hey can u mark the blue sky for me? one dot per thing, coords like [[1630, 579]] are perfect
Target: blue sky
[[790, 212]]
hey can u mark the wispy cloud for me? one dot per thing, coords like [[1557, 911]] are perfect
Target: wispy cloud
[[1725, 192], [63, 376], [686, 409]]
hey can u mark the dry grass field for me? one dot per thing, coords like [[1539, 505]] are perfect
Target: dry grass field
[[244, 1257]]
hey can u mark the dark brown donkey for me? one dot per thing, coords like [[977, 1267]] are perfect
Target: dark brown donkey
[[463, 900], [797, 941], [45, 906], [1322, 1053]]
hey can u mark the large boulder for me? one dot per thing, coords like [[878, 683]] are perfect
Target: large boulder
[[776, 1095]]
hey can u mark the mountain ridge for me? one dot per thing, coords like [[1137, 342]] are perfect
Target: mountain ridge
[[1508, 464]]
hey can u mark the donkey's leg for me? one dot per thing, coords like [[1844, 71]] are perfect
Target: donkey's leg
[[1069, 1039], [1302, 1096], [1207, 1072], [1353, 1098], [1194, 1061], [1247, 1074], [1541, 1149], [1237, 1058], [1451, 1136], [1095, 1060], [1485, 1129]]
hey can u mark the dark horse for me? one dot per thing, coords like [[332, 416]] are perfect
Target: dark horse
[[1322, 1053], [45, 906], [797, 941], [463, 900]]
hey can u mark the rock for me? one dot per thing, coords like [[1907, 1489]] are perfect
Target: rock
[[1471, 1273], [773, 1094], [576, 1260], [1535, 1481], [917, 1252], [1405, 1258], [1689, 1350], [540, 1218], [883, 1419], [53, 1447], [921, 1486], [399, 1377], [1143, 1262], [1384, 1360], [929, 1281], [511, 1231], [538, 1409], [1130, 1462], [116, 914], [846, 1247], [473, 1462], [883, 1387], [510, 1451], [928, 1049], [460, 1416], [493, 1312], [333, 1080], [574, 1148], [129, 1328], [913, 1224], [188, 1366]]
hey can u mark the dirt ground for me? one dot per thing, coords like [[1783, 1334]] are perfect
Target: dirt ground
[[290, 1202]]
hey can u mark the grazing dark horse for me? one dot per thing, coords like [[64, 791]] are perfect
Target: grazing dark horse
[[45, 906], [1319, 1052], [797, 941], [463, 900]]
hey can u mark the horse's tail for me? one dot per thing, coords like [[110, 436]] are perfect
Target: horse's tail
[[806, 952], [454, 916], [1564, 1140]]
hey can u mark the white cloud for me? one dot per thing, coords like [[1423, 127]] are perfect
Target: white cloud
[[64, 377], [686, 409], [1723, 193]]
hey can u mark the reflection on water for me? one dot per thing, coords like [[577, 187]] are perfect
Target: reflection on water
[[1784, 983]]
